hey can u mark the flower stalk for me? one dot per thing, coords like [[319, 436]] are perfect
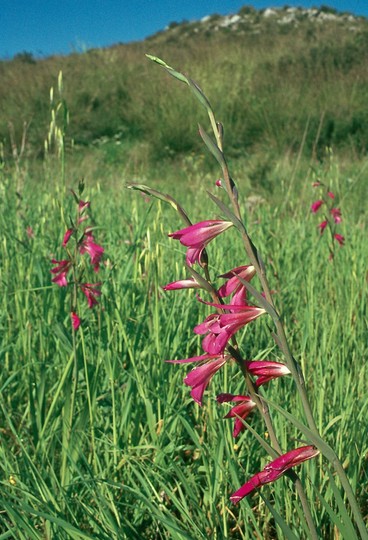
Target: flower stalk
[[220, 328]]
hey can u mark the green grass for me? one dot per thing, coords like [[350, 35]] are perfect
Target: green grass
[[142, 460]]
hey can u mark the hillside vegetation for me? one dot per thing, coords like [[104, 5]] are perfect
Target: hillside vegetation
[[280, 80]]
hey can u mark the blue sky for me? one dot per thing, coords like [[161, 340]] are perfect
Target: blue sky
[[45, 27]]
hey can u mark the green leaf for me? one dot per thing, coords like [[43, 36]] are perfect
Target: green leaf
[[163, 197], [212, 147], [287, 532], [228, 213], [197, 91], [168, 68]]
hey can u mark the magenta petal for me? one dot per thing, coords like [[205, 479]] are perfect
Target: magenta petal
[[67, 236], [75, 320], [256, 481], [193, 255], [200, 376], [340, 239], [200, 233], [233, 283], [266, 371], [181, 284], [316, 206], [275, 470]]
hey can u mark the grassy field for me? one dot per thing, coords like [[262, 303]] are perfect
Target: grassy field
[[99, 437], [142, 460]]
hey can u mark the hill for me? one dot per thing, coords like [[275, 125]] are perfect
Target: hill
[[278, 78]]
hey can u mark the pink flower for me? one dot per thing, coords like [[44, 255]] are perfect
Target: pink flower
[[75, 320], [94, 250], [30, 232], [322, 226], [200, 376], [182, 284], [275, 470], [91, 291], [82, 205], [336, 214], [330, 194], [67, 236], [221, 327], [266, 371], [234, 285], [340, 239], [316, 206], [61, 271], [197, 236], [239, 412]]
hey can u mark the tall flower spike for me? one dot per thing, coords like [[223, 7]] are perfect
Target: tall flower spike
[[244, 407], [197, 236], [275, 470]]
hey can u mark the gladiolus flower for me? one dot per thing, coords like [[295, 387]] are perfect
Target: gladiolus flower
[[322, 226], [234, 285], [91, 291], [67, 236], [330, 194], [275, 470], [82, 205], [266, 371], [94, 250], [182, 284], [200, 376], [336, 214], [75, 320], [340, 239], [316, 206], [239, 412], [61, 271], [29, 232], [221, 327], [197, 236]]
